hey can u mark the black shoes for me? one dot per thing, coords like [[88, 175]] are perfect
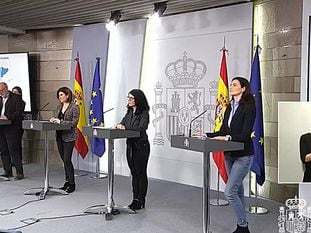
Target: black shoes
[[19, 176], [68, 187], [71, 188], [240, 229], [7, 174], [137, 204], [65, 186]]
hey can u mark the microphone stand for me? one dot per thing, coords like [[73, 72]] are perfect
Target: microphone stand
[[44, 106], [194, 120]]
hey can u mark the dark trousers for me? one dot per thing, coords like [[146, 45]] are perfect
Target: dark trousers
[[10, 144], [137, 155], [65, 150]]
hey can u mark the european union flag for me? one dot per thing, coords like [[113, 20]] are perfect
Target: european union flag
[[258, 165], [96, 115]]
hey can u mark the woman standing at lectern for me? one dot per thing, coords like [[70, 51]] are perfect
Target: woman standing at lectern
[[67, 112], [138, 149], [237, 126]]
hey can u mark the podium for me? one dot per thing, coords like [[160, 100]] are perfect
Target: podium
[[3, 123], [44, 126], [206, 146], [93, 131]]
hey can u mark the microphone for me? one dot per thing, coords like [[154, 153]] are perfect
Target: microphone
[[110, 109], [194, 120], [44, 106]]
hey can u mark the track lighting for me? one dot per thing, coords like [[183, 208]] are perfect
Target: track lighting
[[114, 19]]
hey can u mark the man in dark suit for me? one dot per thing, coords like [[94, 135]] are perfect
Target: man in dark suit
[[11, 108], [305, 155]]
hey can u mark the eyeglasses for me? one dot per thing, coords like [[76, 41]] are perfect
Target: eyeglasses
[[130, 98]]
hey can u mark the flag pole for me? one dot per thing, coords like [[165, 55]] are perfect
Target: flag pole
[[78, 173], [218, 201], [98, 174], [258, 210]]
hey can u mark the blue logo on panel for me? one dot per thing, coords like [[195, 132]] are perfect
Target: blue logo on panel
[[3, 71]]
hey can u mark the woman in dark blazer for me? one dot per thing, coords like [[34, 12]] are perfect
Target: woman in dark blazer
[[138, 149], [67, 112], [237, 126], [305, 155]]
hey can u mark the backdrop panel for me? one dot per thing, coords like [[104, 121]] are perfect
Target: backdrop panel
[[90, 42], [180, 77]]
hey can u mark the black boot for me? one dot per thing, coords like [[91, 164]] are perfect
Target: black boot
[[65, 186], [240, 229], [71, 188], [136, 205]]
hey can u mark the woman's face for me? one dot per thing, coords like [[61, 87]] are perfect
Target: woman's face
[[236, 89], [62, 97], [15, 91], [131, 100]]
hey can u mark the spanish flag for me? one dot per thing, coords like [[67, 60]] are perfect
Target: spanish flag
[[221, 104], [81, 142]]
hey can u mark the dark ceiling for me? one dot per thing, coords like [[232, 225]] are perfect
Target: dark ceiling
[[17, 16]]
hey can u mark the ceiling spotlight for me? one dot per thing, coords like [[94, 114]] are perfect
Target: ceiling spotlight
[[114, 19], [159, 8]]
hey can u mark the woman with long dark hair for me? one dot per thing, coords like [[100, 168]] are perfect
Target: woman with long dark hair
[[237, 126], [67, 112], [138, 149]]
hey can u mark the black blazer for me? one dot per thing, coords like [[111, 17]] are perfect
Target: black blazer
[[241, 127], [137, 122], [14, 109], [305, 148]]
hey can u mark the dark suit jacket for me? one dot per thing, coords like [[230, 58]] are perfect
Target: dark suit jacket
[[136, 122], [13, 109], [71, 117], [241, 127], [305, 148]]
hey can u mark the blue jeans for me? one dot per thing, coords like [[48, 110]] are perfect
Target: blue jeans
[[237, 169]]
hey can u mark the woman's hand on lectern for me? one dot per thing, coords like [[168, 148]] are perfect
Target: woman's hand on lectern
[[55, 120], [119, 126]]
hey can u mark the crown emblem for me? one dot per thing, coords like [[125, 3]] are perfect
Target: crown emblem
[[295, 203], [185, 72]]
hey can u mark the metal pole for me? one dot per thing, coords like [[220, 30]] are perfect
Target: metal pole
[[78, 166], [256, 209], [218, 201], [97, 174]]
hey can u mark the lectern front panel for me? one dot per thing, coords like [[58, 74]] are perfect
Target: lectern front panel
[[5, 122], [44, 125], [108, 133]]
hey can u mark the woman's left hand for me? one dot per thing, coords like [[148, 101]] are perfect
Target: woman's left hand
[[55, 120], [221, 138]]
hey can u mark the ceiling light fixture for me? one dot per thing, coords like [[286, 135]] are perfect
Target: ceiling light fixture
[[159, 8], [114, 19]]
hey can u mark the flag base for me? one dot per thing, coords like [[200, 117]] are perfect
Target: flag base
[[218, 202], [257, 210], [99, 176]]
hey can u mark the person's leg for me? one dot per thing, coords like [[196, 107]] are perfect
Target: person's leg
[[5, 156], [14, 145], [69, 169], [234, 188], [140, 162], [130, 162]]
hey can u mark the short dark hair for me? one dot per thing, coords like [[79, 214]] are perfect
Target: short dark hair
[[247, 96], [140, 101], [19, 90], [66, 91]]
